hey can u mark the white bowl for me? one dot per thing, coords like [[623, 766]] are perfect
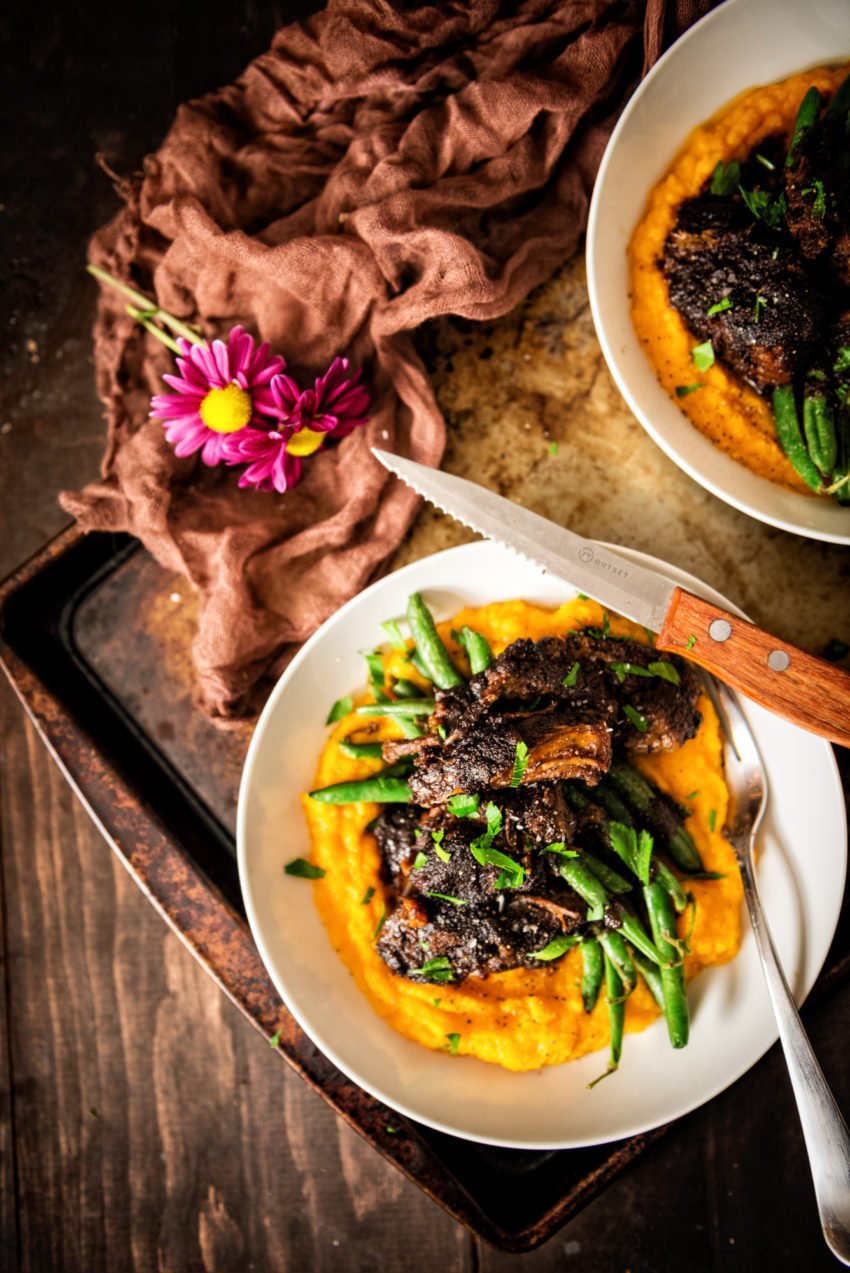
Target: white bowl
[[801, 879], [738, 46]]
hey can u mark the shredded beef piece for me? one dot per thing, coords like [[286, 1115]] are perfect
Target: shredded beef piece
[[777, 316]]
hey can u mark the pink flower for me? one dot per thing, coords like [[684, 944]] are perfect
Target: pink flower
[[333, 407], [308, 417], [270, 465], [221, 389]]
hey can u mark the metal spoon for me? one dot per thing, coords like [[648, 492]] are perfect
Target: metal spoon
[[824, 1129]]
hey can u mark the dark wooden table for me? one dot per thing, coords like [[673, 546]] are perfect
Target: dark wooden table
[[143, 1124]]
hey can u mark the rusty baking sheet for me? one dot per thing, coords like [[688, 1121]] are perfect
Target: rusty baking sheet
[[96, 638]]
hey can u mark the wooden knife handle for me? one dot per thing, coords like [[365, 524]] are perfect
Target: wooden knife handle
[[805, 689]]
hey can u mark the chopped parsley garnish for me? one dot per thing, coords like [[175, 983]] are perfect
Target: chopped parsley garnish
[[819, 204], [842, 362], [442, 733], [760, 307], [393, 631], [814, 373], [391, 1131], [464, 806], [692, 795], [304, 870], [341, 708], [557, 946], [571, 679], [436, 1002], [835, 650], [380, 924], [665, 671], [712, 819], [719, 308], [420, 860], [453, 1043], [275, 1039], [639, 722], [703, 355], [602, 632], [512, 869], [765, 162], [635, 849], [582, 596], [622, 670], [367, 897], [553, 448], [442, 854], [725, 179], [520, 763], [439, 969], [493, 816], [765, 206], [447, 897], [560, 848], [682, 391], [624, 842], [643, 855], [691, 642]]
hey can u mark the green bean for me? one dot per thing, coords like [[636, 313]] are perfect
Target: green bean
[[380, 788], [819, 430], [790, 437], [402, 708], [663, 924], [416, 659], [585, 883], [408, 727], [618, 952], [591, 972], [371, 751], [671, 885], [651, 974], [658, 813], [616, 1011], [606, 875], [806, 116], [593, 892], [633, 929], [402, 688], [683, 851], [477, 649], [840, 104], [429, 646], [612, 804]]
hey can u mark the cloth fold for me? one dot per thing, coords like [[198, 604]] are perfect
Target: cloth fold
[[381, 165]]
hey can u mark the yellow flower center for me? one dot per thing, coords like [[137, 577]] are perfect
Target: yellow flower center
[[305, 442], [226, 410]]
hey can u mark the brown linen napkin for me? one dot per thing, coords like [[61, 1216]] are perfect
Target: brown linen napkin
[[382, 164]]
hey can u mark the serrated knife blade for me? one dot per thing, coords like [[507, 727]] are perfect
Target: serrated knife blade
[[787, 680]]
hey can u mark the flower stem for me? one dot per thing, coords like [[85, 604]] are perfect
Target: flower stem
[[149, 309], [144, 318]]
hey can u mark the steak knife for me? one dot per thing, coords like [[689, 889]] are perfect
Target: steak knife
[[802, 688]]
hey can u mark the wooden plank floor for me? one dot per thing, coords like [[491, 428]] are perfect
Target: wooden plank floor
[[143, 1124]]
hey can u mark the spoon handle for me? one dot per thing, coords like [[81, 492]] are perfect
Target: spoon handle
[[824, 1129]]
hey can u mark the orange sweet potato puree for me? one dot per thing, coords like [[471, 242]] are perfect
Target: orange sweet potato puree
[[726, 410], [522, 1019]]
